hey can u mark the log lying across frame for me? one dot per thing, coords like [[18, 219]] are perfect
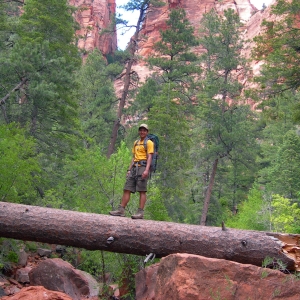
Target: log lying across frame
[[142, 237]]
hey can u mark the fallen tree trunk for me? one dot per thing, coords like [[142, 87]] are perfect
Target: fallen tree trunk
[[142, 237]]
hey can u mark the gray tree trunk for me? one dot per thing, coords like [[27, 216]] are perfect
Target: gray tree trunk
[[142, 237], [208, 193]]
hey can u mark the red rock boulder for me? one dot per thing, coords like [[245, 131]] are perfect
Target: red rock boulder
[[58, 275], [37, 293], [193, 277]]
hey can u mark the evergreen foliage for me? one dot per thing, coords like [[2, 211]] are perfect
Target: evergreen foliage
[[222, 58], [278, 46], [167, 99], [226, 127], [9, 13], [41, 86], [52, 21], [276, 143], [174, 56], [279, 84], [283, 173], [96, 100]]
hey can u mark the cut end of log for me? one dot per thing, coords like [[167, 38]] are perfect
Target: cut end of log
[[290, 247]]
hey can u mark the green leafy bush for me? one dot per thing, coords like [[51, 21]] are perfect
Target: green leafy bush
[[12, 256]]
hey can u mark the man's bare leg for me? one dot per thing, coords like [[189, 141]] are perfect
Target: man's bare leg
[[143, 199], [125, 198]]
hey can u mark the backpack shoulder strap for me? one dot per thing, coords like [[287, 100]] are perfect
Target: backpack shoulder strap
[[145, 143]]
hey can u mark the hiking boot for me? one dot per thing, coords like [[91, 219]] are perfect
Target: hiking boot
[[120, 212], [139, 214]]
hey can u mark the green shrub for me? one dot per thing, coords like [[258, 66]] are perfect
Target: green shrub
[[31, 246], [12, 257]]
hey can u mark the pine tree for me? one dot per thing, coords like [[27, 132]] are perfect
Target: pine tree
[[174, 56], [278, 129], [96, 100], [38, 75], [279, 48], [225, 124], [283, 174], [167, 99]]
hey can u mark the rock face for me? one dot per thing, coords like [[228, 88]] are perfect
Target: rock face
[[156, 21], [94, 16], [192, 277], [156, 18], [145, 282], [252, 29]]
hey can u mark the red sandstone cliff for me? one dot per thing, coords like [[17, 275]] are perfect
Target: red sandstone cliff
[[94, 16], [156, 21], [156, 18]]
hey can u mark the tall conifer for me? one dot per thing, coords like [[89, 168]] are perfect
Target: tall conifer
[[226, 130]]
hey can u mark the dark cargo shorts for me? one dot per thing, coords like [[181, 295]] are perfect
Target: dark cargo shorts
[[135, 182]]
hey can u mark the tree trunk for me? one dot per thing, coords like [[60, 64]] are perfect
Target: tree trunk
[[208, 193], [116, 126], [142, 237], [132, 49]]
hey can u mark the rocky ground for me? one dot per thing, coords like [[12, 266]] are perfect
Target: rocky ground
[[37, 276], [177, 276]]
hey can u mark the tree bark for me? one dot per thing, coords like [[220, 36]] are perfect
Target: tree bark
[[208, 193], [142, 237]]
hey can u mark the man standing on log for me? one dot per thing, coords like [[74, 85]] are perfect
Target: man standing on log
[[137, 174]]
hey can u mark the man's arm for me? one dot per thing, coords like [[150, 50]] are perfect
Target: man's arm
[[130, 166], [149, 159]]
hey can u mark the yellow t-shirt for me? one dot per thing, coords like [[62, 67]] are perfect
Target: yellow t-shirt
[[139, 151]]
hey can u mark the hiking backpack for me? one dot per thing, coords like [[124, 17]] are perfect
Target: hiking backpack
[[154, 138]]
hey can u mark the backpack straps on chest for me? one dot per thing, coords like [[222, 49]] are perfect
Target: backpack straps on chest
[[145, 143]]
